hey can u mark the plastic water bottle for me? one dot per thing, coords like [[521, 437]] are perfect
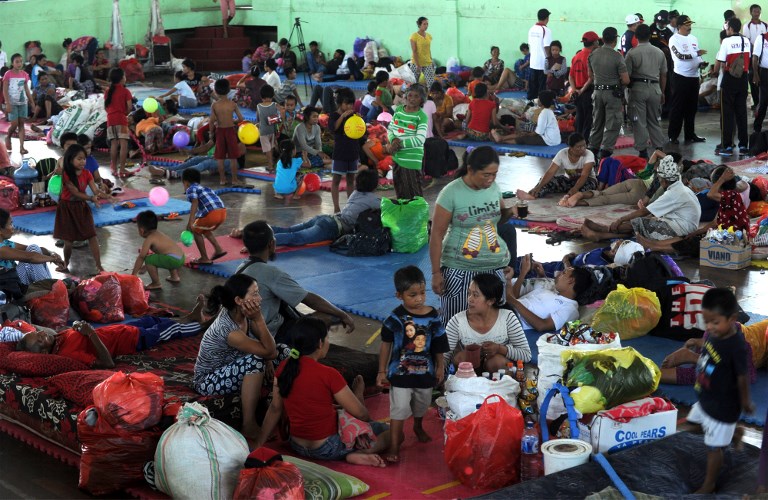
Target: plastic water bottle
[[531, 465]]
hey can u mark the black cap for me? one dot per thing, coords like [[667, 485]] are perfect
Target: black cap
[[543, 14], [673, 14], [684, 20], [610, 34], [662, 16]]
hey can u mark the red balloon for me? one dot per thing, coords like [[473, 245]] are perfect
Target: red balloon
[[312, 181]]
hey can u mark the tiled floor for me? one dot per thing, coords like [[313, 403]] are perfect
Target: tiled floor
[[24, 467]]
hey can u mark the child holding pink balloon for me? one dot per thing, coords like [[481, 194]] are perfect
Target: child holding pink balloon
[[346, 150], [74, 219], [165, 252]]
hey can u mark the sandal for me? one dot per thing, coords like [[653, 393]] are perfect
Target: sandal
[[157, 181], [195, 263], [125, 175], [560, 236]]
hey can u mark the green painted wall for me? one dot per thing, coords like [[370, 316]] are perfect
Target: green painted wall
[[463, 28]]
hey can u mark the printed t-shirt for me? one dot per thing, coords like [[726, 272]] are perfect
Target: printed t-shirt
[[416, 341], [720, 364], [472, 242]]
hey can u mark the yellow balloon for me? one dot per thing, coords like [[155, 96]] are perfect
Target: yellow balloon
[[355, 127], [150, 105], [248, 133]]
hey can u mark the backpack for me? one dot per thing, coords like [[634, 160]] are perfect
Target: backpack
[[650, 271], [736, 68], [369, 239], [439, 158]]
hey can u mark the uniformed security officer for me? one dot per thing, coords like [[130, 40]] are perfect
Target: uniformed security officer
[[647, 69], [660, 35], [608, 72]]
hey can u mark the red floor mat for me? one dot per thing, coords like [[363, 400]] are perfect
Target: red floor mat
[[233, 245]]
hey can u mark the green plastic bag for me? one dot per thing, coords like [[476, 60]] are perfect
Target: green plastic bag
[[407, 222]]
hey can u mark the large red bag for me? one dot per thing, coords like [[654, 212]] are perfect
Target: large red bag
[[267, 477], [135, 297], [111, 459], [100, 299], [483, 449], [52, 309], [130, 401]]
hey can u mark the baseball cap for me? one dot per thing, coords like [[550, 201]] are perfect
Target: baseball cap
[[590, 37], [673, 14], [640, 16], [632, 19], [684, 21], [662, 16], [610, 34]]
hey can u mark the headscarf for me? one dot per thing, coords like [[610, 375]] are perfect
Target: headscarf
[[668, 169]]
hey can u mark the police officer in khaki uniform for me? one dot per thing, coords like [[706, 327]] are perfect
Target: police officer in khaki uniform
[[647, 69], [608, 72]]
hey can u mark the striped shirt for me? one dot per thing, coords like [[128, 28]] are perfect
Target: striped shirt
[[411, 128], [506, 331], [214, 351], [208, 201]]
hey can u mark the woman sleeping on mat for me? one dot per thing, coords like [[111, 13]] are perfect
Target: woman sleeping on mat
[[679, 367], [308, 392], [572, 170]]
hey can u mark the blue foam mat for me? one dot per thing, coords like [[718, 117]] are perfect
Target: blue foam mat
[[262, 176], [338, 278], [540, 151], [42, 222], [512, 94]]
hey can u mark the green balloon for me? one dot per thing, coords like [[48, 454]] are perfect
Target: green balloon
[[54, 185], [187, 238]]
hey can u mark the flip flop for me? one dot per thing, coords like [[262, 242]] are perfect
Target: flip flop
[[560, 236], [195, 263], [218, 256], [157, 182]]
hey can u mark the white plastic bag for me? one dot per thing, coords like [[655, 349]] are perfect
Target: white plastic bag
[[371, 52], [452, 65], [464, 394], [199, 457], [551, 368], [404, 72]]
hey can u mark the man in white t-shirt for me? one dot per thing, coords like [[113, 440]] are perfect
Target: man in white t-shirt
[[735, 50], [675, 213], [760, 77], [686, 58], [753, 30], [539, 39], [545, 308]]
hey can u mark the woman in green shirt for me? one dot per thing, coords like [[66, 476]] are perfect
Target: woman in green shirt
[[465, 237], [406, 133]]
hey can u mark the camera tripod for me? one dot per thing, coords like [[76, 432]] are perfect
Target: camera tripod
[[302, 49]]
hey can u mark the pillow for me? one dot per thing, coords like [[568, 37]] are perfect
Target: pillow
[[78, 386], [323, 483], [31, 364]]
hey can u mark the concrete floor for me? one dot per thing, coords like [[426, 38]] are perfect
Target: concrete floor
[[29, 473]]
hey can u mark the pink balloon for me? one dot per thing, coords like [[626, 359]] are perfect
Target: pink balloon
[[158, 196]]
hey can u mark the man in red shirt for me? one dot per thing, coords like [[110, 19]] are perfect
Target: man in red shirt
[[581, 84], [97, 347]]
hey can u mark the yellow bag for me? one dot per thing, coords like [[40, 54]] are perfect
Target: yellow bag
[[608, 378], [631, 312]]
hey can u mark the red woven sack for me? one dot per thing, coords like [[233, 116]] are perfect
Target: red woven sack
[[267, 477], [130, 401], [111, 459], [100, 299], [51, 310]]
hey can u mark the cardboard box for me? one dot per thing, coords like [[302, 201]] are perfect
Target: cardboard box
[[724, 256], [607, 436]]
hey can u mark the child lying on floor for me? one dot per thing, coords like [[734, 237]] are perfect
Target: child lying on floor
[[619, 252]]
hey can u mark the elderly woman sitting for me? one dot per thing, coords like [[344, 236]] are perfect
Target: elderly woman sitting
[[675, 213], [497, 332]]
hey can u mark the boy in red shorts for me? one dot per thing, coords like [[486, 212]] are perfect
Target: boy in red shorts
[[223, 127], [205, 216]]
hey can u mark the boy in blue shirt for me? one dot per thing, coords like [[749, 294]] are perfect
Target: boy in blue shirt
[[413, 341], [205, 216]]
